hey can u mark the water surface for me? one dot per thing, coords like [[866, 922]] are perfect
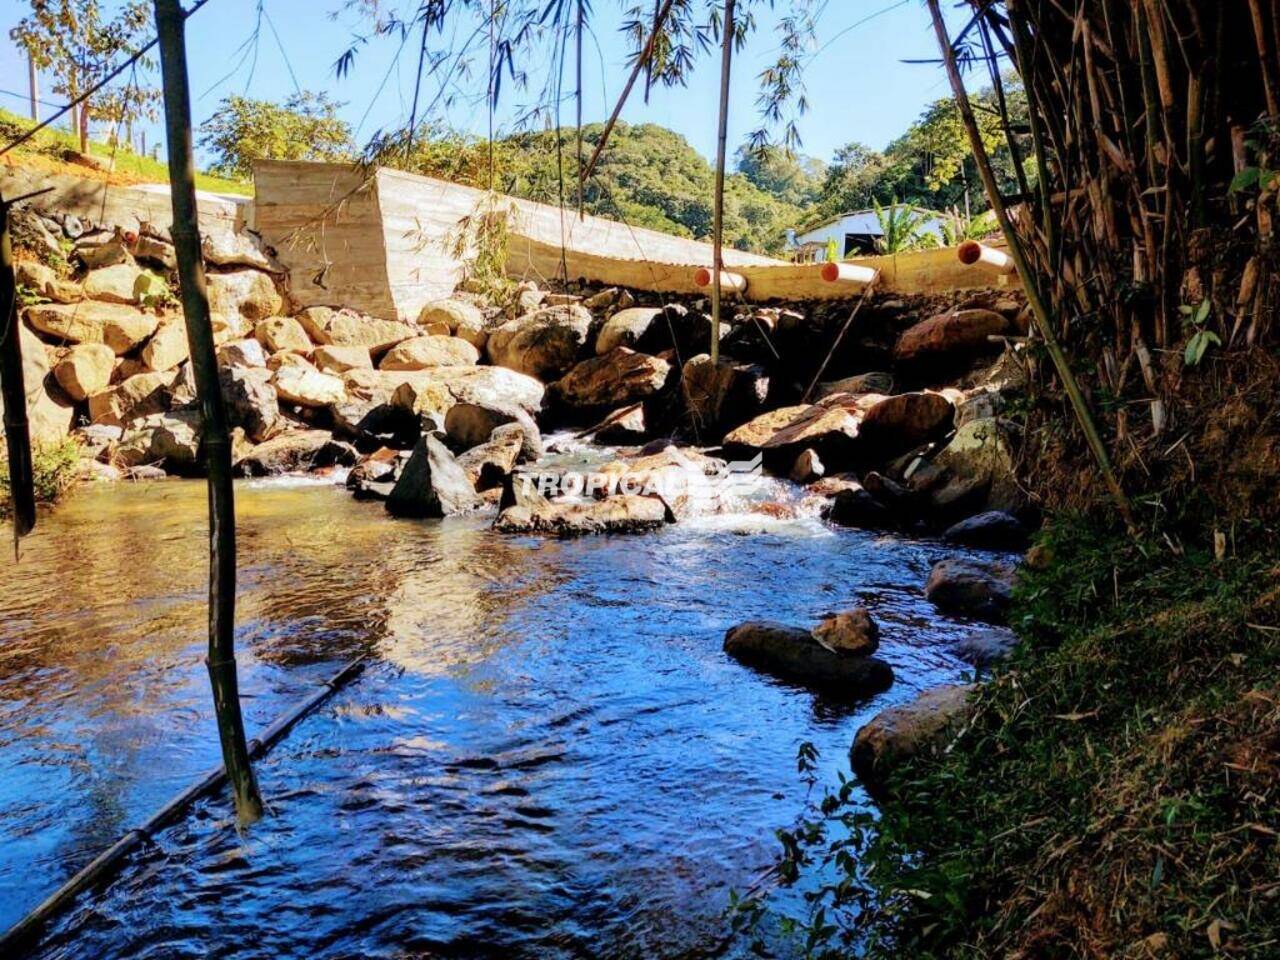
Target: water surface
[[549, 756]]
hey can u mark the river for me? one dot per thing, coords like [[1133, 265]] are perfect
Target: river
[[549, 755]]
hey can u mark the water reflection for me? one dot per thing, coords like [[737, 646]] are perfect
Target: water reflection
[[551, 756]]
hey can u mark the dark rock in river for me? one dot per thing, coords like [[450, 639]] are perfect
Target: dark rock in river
[[432, 484], [981, 591], [792, 653], [898, 734], [993, 530], [855, 507], [986, 647], [299, 452]]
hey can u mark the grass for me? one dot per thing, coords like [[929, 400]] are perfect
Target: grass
[[1116, 793], [48, 146], [54, 467]]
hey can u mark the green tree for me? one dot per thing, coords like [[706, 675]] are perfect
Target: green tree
[[304, 127], [73, 40], [785, 175]]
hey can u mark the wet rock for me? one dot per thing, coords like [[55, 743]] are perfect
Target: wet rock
[[898, 734], [432, 484], [854, 506], [138, 396], [114, 284], [984, 648], [622, 427], [346, 328], [85, 369], [981, 591], [308, 387], [543, 344], [251, 400], [299, 452], [167, 347], [862, 383], [623, 513], [807, 468], [282, 334], [851, 633], [615, 379], [961, 334], [250, 293], [489, 464], [421, 353], [793, 654], [719, 397], [242, 353], [993, 530]]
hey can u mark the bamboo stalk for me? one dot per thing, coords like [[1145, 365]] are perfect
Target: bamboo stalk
[[722, 137], [1038, 306], [215, 437]]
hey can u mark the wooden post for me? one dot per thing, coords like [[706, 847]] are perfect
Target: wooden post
[[722, 136], [1039, 308], [215, 438], [33, 80]]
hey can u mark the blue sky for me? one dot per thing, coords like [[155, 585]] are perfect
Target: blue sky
[[858, 86]]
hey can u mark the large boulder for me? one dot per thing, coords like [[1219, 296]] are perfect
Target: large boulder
[[346, 328], [792, 654], [830, 427], [49, 411], [170, 439], [223, 248], [614, 379], [114, 284], [894, 425], [308, 387], [251, 400], [898, 734], [981, 591], [852, 505], [167, 347], [979, 459], [457, 318], [250, 293], [299, 452], [721, 396], [432, 484], [993, 530], [949, 339], [653, 330], [470, 424], [119, 326], [542, 344], [85, 369], [338, 360], [524, 510], [278, 334], [140, 395], [489, 464], [421, 353]]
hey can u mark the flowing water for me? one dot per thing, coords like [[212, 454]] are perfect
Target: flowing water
[[549, 756]]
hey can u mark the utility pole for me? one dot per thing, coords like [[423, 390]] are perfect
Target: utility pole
[[33, 80], [717, 228], [215, 438]]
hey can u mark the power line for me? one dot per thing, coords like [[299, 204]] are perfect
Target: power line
[[95, 88]]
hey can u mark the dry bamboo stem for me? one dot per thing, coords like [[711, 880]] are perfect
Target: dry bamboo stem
[[1038, 306], [215, 438], [717, 229]]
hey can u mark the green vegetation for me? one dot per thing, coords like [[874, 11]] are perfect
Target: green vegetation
[[52, 143], [304, 127], [1115, 792], [54, 467]]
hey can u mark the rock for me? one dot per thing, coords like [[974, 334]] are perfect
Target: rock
[[278, 334], [979, 405], [432, 484], [850, 634], [94, 255], [471, 424], [421, 353], [335, 359], [250, 293], [114, 284], [492, 385], [34, 275], [126, 328], [227, 327], [346, 328], [242, 353], [983, 648], [49, 411], [251, 401], [169, 438], [621, 514], [830, 427], [949, 338], [615, 379], [807, 468], [970, 589], [454, 315], [854, 506], [86, 369], [138, 396], [792, 653], [308, 387], [90, 321], [981, 456], [156, 251], [488, 465], [898, 734], [626, 426], [167, 347], [894, 425], [862, 383], [543, 344], [993, 530], [528, 299], [719, 397], [98, 440], [226, 249], [287, 358], [299, 452], [629, 328]]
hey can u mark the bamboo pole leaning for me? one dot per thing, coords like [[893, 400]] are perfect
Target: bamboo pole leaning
[[215, 436], [722, 136], [1039, 308]]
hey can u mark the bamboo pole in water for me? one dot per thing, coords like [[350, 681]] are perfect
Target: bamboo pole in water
[[1038, 306], [215, 437], [722, 135]]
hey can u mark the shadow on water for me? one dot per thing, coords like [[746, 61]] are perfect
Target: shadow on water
[[551, 756]]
